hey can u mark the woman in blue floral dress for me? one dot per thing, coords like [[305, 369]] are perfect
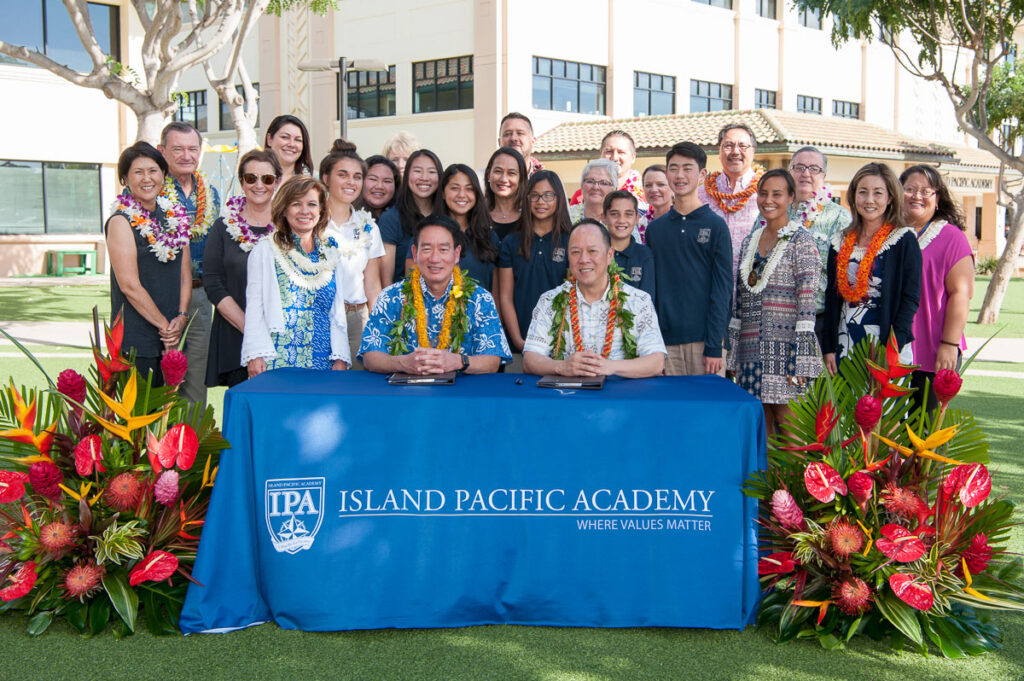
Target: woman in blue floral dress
[[295, 297]]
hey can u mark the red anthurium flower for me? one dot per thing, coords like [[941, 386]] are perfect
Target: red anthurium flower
[[12, 486], [26, 418], [823, 481], [971, 481], [89, 455], [776, 564], [910, 591], [179, 446], [156, 567], [23, 581], [899, 544]]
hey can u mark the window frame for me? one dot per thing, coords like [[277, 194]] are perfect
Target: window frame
[[98, 168], [763, 5], [224, 114], [353, 92], [758, 92], [803, 100], [462, 79], [842, 108], [720, 4], [805, 17], [44, 47], [181, 105], [650, 91], [698, 83], [566, 67]]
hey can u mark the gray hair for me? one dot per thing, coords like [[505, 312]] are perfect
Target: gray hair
[[737, 126], [607, 165], [815, 150], [179, 126]]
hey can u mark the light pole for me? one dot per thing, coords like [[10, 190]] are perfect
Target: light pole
[[343, 65]]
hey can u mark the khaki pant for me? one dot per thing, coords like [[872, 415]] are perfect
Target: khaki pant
[[355, 320], [687, 359], [197, 347]]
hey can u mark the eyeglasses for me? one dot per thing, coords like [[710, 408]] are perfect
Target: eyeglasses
[[603, 184], [924, 193], [251, 178], [800, 169], [546, 197], [731, 146]]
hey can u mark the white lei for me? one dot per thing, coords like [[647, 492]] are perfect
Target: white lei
[[365, 223], [202, 223], [302, 271], [747, 264], [236, 226], [930, 232], [808, 210]]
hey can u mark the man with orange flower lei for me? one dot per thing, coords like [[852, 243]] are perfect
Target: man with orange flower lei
[[594, 324], [731, 192], [437, 319], [187, 186]]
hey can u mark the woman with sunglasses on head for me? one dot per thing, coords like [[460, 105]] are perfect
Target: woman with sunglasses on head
[[244, 221]]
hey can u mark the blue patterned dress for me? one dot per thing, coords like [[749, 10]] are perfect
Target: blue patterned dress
[[306, 340]]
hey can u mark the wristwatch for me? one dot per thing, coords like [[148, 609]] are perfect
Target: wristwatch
[[465, 361]]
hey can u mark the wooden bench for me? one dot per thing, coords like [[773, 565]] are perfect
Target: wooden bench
[[55, 262]]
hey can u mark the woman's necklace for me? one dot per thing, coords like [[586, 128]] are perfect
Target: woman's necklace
[[749, 277], [301, 270]]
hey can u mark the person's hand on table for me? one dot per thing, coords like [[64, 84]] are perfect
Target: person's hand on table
[[339, 365], [712, 365], [945, 357], [585, 363], [422, 361], [255, 367], [830, 363]]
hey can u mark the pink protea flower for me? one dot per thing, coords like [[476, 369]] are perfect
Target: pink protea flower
[[845, 538], [166, 488], [46, 478], [83, 580], [123, 492], [902, 501], [786, 511], [71, 384], [978, 554], [55, 537], [174, 365], [868, 412], [946, 385], [852, 596]]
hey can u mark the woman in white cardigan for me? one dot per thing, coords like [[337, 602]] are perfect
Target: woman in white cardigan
[[295, 295]]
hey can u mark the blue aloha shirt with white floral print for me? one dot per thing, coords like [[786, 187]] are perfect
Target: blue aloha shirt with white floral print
[[485, 337]]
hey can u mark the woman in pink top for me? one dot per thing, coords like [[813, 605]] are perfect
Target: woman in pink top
[[947, 281]]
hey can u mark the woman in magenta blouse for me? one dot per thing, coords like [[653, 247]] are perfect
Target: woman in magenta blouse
[[947, 281]]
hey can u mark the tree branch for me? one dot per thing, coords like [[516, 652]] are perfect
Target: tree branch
[[78, 10]]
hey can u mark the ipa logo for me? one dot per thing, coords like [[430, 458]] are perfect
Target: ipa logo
[[294, 512]]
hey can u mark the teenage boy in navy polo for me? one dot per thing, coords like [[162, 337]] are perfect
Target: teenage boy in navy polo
[[621, 215], [693, 270]]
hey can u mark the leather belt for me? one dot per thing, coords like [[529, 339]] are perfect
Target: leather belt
[[197, 283]]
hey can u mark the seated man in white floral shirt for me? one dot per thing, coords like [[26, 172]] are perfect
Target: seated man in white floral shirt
[[594, 324]]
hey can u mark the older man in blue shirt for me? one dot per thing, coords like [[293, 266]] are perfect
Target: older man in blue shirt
[[473, 340]]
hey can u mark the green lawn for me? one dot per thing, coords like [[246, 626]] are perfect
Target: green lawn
[[64, 303], [1011, 313]]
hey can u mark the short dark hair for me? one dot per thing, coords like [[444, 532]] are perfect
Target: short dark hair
[[591, 222], [138, 150], [515, 115], [178, 126], [435, 220], [737, 126], [261, 156], [619, 194], [688, 150], [784, 174]]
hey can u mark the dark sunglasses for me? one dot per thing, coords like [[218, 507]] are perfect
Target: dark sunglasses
[[251, 178]]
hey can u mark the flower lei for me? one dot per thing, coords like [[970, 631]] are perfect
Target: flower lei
[[748, 277], [454, 324], [300, 268], [931, 230], [164, 240], [237, 228], [808, 210], [351, 248], [740, 197], [618, 316], [204, 207], [858, 291]]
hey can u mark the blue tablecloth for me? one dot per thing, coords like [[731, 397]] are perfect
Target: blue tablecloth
[[345, 503]]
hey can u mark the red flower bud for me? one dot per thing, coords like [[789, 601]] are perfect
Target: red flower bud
[[946, 385], [46, 478], [174, 365], [868, 412], [860, 485], [71, 384]]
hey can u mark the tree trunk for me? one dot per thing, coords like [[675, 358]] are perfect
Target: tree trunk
[[245, 129], [150, 125], [1007, 267]]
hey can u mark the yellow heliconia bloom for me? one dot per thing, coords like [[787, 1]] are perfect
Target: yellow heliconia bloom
[[923, 448], [871, 540], [969, 589], [82, 492], [123, 409]]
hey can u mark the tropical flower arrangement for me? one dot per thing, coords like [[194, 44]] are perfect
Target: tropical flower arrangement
[[878, 518], [104, 484]]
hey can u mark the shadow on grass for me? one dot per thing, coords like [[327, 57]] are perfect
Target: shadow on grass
[[53, 303]]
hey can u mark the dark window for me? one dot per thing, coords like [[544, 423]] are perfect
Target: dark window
[[371, 94], [764, 99], [811, 18], [705, 96], [653, 94], [805, 104], [49, 197], [44, 26], [767, 9], [845, 109], [442, 85], [226, 122], [724, 4], [192, 108], [568, 86]]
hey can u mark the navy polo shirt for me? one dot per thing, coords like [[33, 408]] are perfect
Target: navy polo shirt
[[391, 232], [693, 276], [638, 262], [546, 269], [482, 272]]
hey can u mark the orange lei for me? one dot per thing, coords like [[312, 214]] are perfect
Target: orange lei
[[609, 333], [740, 198], [444, 339], [860, 289]]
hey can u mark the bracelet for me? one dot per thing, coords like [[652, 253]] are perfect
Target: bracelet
[[182, 314], [946, 342]]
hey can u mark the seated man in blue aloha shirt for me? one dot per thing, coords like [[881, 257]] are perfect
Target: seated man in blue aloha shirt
[[437, 300]]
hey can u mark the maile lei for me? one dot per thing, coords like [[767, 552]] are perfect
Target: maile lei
[[859, 291], [301, 270], [363, 230], [204, 206], [730, 203], [618, 316], [808, 210], [237, 228], [751, 280], [454, 324], [165, 239]]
